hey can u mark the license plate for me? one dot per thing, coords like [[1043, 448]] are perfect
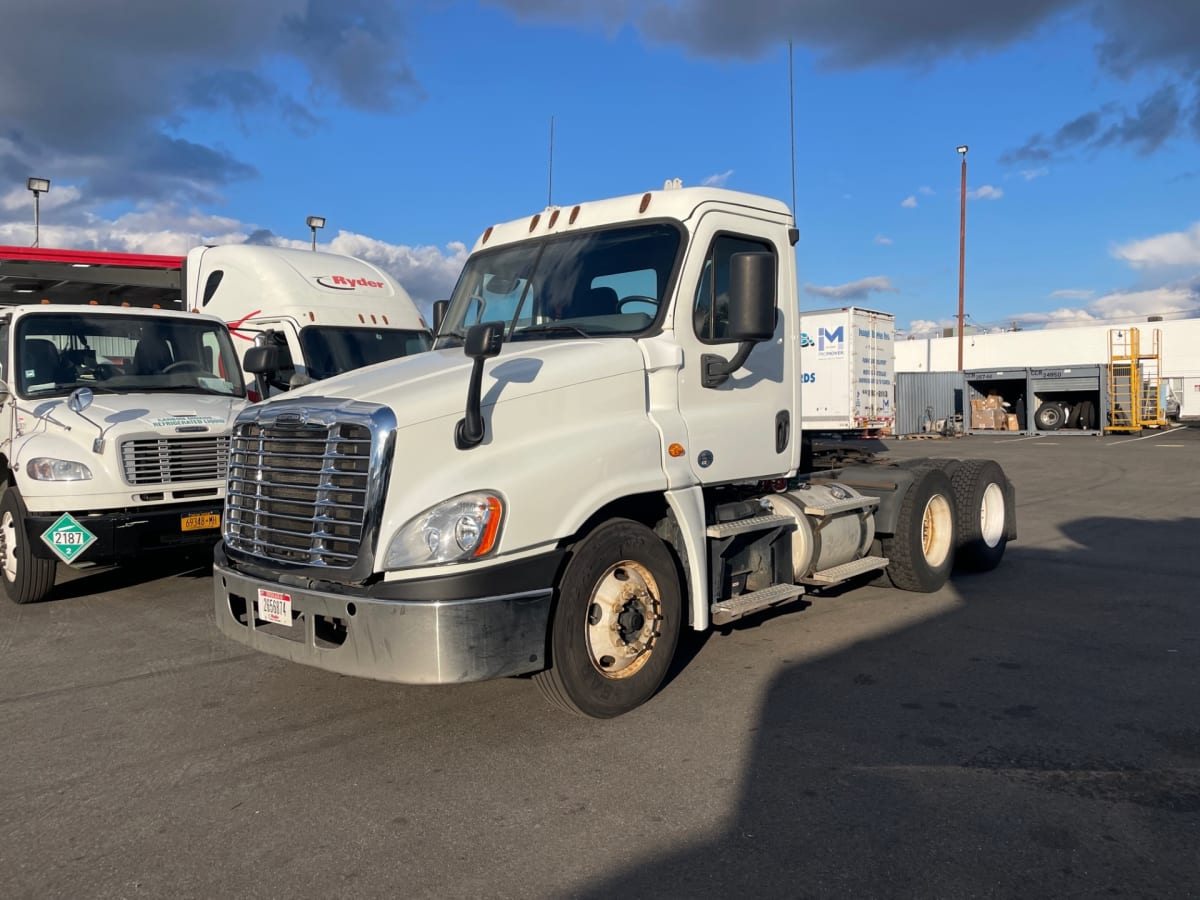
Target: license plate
[[200, 522], [275, 606]]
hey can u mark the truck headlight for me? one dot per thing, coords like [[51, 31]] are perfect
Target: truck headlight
[[46, 468], [464, 527]]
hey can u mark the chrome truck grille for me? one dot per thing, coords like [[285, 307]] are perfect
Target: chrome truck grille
[[171, 460], [306, 479]]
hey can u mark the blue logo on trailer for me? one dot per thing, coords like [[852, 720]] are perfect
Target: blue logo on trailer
[[805, 340], [826, 338]]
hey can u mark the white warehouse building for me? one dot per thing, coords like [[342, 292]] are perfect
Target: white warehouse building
[[1051, 363]]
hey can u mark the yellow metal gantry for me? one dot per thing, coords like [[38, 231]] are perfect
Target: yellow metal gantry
[[1134, 381]]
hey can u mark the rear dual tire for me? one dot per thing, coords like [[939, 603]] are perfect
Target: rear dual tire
[[921, 552]]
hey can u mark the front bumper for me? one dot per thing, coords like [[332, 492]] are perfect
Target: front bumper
[[413, 635], [124, 533]]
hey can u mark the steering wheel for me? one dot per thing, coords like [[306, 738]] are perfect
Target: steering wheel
[[636, 298], [185, 365]]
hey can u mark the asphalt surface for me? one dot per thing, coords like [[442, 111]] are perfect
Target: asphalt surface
[[1032, 732]]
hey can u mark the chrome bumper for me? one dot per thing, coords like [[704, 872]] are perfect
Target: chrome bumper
[[408, 641]]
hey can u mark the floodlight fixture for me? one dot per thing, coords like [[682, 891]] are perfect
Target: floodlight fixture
[[37, 186], [315, 222]]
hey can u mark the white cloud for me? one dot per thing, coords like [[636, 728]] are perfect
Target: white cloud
[[909, 202], [985, 192], [854, 290], [719, 180], [22, 199], [1072, 294], [927, 327], [1175, 248], [925, 190], [427, 273], [883, 240], [1031, 174]]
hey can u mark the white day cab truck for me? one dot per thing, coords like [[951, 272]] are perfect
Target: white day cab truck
[[327, 313], [114, 435], [602, 449]]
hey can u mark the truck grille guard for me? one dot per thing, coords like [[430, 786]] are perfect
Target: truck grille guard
[[306, 485]]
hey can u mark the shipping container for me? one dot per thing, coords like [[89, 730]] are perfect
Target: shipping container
[[847, 369]]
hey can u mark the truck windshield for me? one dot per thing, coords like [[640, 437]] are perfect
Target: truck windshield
[[54, 353], [592, 284], [331, 351]]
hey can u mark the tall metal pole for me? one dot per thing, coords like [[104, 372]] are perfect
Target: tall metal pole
[[962, 251], [36, 219]]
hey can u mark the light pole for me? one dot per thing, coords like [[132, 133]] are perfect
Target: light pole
[[962, 250], [39, 186], [315, 222]]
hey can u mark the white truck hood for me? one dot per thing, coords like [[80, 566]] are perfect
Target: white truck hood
[[434, 384]]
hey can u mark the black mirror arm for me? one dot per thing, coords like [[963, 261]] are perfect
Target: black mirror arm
[[469, 431], [715, 370]]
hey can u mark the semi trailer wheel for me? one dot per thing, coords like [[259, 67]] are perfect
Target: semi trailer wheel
[[921, 552], [27, 578], [615, 624], [981, 498]]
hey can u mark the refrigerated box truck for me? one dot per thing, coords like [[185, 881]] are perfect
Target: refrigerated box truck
[[848, 369]]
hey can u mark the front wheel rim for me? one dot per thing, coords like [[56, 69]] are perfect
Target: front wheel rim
[[623, 618], [8, 546]]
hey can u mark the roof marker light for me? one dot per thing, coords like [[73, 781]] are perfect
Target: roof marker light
[[382, 316], [487, 234], [645, 202], [553, 219], [574, 215], [534, 221]]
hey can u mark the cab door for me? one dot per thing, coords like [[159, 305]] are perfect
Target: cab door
[[745, 427]]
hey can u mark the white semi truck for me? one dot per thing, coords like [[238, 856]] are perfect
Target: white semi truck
[[114, 435], [603, 448], [326, 312]]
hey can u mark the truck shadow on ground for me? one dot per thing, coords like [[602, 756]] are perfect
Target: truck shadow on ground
[[1040, 739], [77, 583]]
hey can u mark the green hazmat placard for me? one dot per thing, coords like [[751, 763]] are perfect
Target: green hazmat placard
[[67, 538]]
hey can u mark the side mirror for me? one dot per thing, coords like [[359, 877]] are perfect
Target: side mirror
[[483, 342], [751, 297], [80, 399], [439, 314], [752, 314], [261, 360]]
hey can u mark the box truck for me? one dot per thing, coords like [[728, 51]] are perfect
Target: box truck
[[847, 363]]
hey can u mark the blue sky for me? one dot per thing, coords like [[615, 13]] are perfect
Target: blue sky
[[413, 126]]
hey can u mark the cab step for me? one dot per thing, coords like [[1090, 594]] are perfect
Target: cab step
[[743, 526], [846, 571], [725, 611]]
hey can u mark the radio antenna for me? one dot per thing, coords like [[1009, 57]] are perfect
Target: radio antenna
[[550, 186], [792, 125]]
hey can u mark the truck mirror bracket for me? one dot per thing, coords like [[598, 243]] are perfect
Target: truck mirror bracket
[[483, 342], [715, 370]]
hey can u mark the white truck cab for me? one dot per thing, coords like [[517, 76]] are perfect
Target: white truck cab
[[603, 448], [326, 312], [114, 435]]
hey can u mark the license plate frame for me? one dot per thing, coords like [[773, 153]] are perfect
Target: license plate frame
[[274, 607], [200, 522]]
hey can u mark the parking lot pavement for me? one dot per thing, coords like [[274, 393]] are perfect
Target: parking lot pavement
[[1030, 732]]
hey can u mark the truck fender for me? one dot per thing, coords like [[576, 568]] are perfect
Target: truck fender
[[687, 504], [888, 483]]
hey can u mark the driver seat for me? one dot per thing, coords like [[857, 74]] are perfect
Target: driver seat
[[153, 354]]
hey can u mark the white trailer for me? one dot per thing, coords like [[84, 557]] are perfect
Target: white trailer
[[847, 361], [114, 436], [327, 313], [603, 448]]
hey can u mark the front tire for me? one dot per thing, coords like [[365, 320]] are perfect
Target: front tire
[[921, 553], [27, 578], [616, 623]]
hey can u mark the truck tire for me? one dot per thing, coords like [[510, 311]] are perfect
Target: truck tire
[[1049, 417], [981, 498], [27, 578], [615, 624], [921, 552]]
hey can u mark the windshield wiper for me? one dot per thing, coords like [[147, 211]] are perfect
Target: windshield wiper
[[551, 328]]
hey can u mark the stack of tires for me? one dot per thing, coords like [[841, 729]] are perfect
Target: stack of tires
[[1055, 414]]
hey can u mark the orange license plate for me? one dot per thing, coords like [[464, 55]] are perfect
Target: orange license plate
[[200, 522]]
